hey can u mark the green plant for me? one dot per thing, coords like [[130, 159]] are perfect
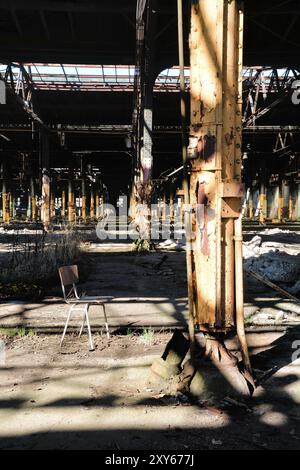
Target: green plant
[[147, 337], [19, 331]]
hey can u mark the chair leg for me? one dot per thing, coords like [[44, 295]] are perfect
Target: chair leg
[[89, 328], [106, 324], [82, 325], [66, 326]]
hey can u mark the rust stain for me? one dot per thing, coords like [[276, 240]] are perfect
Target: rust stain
[[207, 147], [229, 138], [202, 200]]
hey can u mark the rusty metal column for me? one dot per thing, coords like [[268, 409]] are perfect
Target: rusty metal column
[[215, 155], [92, 204], [250, 213], [280, 202], [45, 180], [52, 204], [291, 211], [146, 150], [298, 201], [63, 204], [12, 211], [33, 200], [83, 191], [5, 197], [262, 201], [71, 202], [145, 75]]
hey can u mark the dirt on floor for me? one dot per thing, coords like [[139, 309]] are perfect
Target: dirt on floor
[[54, 397]]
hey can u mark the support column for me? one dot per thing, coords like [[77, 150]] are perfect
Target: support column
[[5, 196], [298, 201], [63, 204], [97, 202], [285, 199], [52, 204], [29, 212], [92, 205], [262, 194], [215, 185], [280, 202], [71, 202], [83, 192], [250, 213], [143, 114], [45, 180], [33, 200], [171, 202], [12, 205], [291, 202]]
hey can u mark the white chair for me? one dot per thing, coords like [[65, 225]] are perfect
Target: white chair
[[69, 278]]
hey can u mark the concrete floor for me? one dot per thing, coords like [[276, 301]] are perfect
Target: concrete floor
[[72, 399], [148, 290]]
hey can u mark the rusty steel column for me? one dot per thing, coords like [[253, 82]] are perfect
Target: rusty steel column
[[280, 202], [71, 201], [262, 202], [45, 179], [5, 196], [63, 204], [33, 200], [291, 213], [216, 45], [45, 209], [52, 204], [97, 204], [12, 205], [83, 191], [297, 210], [145, 75], [92, 204], [250, 213]]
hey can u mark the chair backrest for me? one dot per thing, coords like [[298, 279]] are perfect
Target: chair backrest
[[68, 277]]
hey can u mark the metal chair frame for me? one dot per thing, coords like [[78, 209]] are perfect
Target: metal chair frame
[[79, 302]]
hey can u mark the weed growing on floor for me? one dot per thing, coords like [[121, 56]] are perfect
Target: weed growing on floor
[[16, 332], [147, 337]]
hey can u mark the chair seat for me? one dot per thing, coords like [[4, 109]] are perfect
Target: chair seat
[[91, 299]]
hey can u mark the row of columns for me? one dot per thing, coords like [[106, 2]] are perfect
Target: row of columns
[[275, 203], [41, 204]]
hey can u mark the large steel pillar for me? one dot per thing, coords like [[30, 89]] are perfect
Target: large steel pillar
[[33, 200], [5, 195], [83, 191], [71, 199], [147, 126], [262, 192], [214, 153], [92, 204], [63, 204], [143, 114], [280, 202], [45, 179], [298, 201]]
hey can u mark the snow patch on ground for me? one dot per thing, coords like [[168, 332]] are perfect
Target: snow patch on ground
[[276, 261]]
